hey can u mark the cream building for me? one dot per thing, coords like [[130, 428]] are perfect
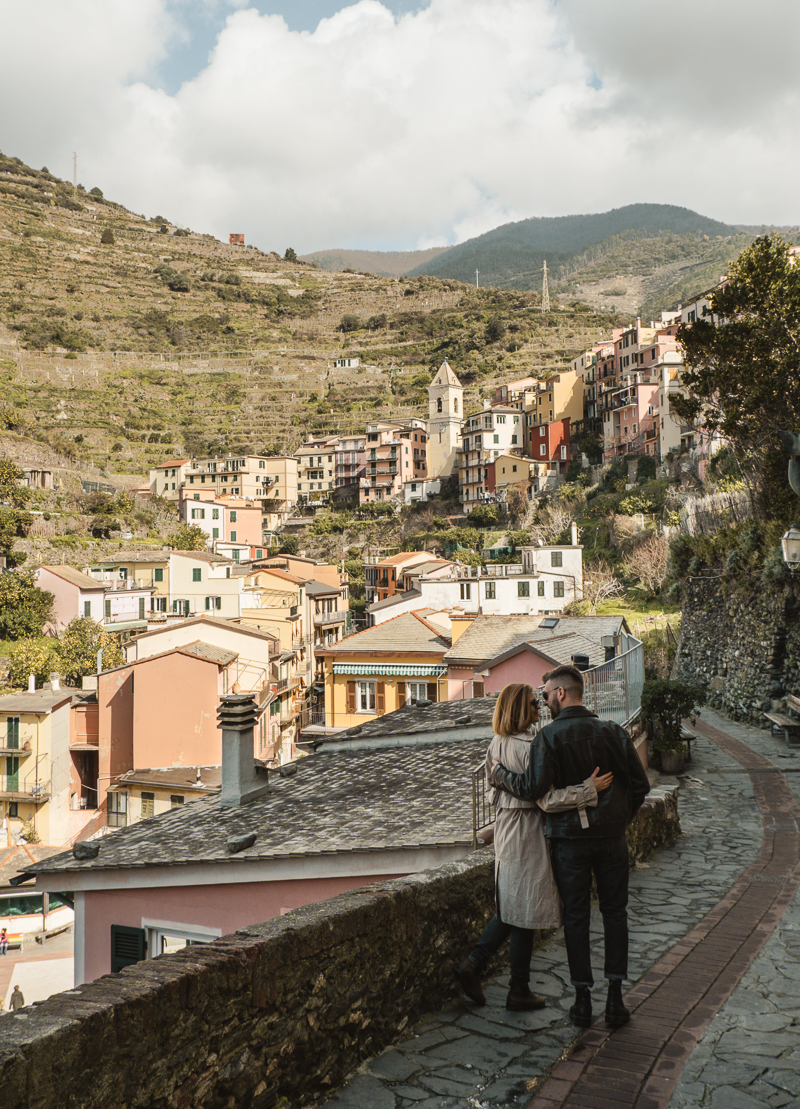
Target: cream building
[[445, 412]]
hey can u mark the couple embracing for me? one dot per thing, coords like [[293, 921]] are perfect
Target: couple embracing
[[559, 821]]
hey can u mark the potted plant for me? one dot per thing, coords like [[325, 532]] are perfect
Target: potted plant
[[664, 706]]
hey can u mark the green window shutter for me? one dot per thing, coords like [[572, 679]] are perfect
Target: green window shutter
[[197, 574], [128, 946], [158, 574]]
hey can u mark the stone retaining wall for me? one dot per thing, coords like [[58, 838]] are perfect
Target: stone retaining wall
[[743, 646], [277, 1014]]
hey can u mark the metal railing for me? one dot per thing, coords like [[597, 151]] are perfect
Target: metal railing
[[37, 791], [287, 683], [323, 618]]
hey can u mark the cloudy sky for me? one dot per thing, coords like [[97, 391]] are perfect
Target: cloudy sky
[[399, 124]]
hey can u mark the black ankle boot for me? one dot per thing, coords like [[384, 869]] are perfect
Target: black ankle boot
[[616, 1013], [581, 1012]]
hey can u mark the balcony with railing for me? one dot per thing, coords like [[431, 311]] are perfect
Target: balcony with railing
[[287, 683], [322, 619], [15, 788]]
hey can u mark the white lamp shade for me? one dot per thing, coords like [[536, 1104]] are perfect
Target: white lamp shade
[[790, 542]]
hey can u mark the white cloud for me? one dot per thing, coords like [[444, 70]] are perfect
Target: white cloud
[[376, 130]]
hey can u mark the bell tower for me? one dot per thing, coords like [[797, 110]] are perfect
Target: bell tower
[[445, 412]]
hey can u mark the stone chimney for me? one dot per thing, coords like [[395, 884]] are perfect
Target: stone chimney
[[55, 681], [31, 683], [574, 535], [243, 779]]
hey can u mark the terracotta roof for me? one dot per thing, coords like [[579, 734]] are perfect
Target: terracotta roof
[[173, 462], [200, 779], [74, 577], [399, 559], [281, 574], [404, 634]]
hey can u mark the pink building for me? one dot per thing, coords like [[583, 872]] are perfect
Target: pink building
[[264, 846], [227, 519], [75, 593], [395, 454]]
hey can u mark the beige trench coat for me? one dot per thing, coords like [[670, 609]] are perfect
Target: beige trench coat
[[526, 891]]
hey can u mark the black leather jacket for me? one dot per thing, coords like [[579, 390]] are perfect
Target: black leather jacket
[[565, 753]]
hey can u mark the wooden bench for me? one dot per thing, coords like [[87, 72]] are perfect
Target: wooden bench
[[687, 735], [780, 722]]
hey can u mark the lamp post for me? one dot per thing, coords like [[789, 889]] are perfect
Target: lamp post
[[790, 542]]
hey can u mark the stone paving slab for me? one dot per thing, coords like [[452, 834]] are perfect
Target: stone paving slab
[[727, 881]]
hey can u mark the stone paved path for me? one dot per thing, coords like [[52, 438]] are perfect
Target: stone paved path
[[715, 940]]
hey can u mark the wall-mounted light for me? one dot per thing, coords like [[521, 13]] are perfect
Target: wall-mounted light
[[790, 542]]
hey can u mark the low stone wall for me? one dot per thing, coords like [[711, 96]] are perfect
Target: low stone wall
[[275, 1015], [742, 646]]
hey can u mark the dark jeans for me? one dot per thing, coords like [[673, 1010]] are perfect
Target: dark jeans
[[574, 861], [520, 948]]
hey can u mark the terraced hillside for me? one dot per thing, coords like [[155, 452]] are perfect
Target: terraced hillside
[[124, 340]]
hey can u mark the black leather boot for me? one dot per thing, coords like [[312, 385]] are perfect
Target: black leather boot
[[467, 974], [616, 1013], [581, 1012]]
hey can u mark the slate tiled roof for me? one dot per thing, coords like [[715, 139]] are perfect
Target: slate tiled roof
[[336, 803], [490, 636], [42, 700], [405, 634], [319, 588], [397, 599], [14, 859], [425, 720], [207, 651], [133, 556], [230, 625], [559, 648]]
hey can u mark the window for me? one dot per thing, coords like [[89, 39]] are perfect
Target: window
[[556, 558], [563, 452], [213, 603], [175, 800], [234, 556], [490, 590], [366, 696], [215, 533], [87, 608], [141, 608], [198, 514], [259, 552], [197, 573], [159, 604], [123, 573], [12, 732], [117, 809], [261, 464], [148, 805], [214, 513], [233, 536], [542, 449], [496, 438], [540, 588], [108, 609], [513, 469], [439, 405], [455, 404], [158, 574], [13, 809], [416, 691], [523, 589], [513, 439], [466, 591], [196, 495], [233, 516], [558, 589]]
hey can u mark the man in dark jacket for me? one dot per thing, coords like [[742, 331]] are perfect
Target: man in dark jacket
[[586, 841]]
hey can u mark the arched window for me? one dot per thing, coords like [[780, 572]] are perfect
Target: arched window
[[455, 404], [439, 405]]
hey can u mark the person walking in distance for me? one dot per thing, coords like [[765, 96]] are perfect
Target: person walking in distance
[[525, 891], [17, 1000], [3, 941], [589, 841]]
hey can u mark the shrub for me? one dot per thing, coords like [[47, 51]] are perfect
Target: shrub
[[350, 322], [666, 703], [107, 237], [96, 192]]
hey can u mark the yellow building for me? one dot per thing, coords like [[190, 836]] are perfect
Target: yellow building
[[38, 776], [559, 398], [381, 669]]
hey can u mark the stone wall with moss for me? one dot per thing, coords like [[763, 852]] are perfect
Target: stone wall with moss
[[742, 644]]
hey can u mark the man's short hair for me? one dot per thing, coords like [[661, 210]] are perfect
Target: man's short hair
[[569, 677]]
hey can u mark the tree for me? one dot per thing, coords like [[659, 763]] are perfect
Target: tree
[[14, 524], [484, 515], [11, 492], [495, 329], [647, 564], [108, 237], [33, 656], [289, 545], [290, 255], [77, 650], [743, 372], [666, 703], [188, 538], [24, 607], [599, 583]]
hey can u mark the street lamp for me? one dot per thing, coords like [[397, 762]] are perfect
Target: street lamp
[[790, 542]]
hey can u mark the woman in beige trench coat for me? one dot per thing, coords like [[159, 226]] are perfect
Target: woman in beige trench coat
[[525, 889]]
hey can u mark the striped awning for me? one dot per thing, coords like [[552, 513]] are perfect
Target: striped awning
[[388, 670]]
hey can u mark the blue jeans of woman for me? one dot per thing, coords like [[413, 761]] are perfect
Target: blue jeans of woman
[[520, 948], [574, 862]]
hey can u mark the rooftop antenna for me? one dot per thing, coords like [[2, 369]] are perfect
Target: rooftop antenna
[[545, 291]]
